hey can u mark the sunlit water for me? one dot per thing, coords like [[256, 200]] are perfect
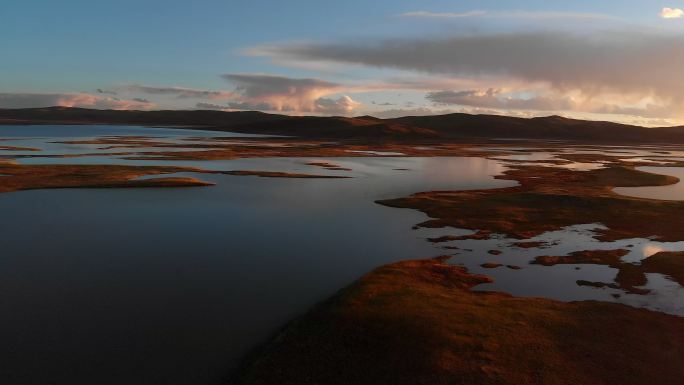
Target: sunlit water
[[176, 285], [559, 282], [671, 192]]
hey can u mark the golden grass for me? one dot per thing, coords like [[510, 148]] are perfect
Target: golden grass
[[29, 177], [549, 199], [417, 322]]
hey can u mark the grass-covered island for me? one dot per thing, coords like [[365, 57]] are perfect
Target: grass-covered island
[[418, 322]]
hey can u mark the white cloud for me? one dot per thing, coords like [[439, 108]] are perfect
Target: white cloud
[[279, 93], [672, 13], [342, 105]]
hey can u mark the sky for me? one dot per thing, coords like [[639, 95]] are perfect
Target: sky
[[602, 60]]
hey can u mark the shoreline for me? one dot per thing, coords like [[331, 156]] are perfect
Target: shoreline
[[418, 322], [546, 199]]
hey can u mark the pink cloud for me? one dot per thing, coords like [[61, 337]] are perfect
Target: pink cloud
[[672, 13], [283, 94], [33, 100]]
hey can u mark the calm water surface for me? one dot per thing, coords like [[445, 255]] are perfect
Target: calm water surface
[[671, 192], [175, 286]]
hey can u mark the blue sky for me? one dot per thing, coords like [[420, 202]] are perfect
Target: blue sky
[[77, 47]]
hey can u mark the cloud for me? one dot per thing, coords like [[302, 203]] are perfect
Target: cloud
[[262, 85], [639, 62], [408, 82], [497, 99], [501, 100], [211, 106], [34, 100], [672, 13], [181, 92], [535, 15], [398, 113], [257, 106], [342, 105], [284, 94], [107, 92]]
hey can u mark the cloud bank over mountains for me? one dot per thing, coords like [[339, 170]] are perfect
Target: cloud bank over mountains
[[283, 94], [611, 72], [85, 100], [610, 60], [611, 69]]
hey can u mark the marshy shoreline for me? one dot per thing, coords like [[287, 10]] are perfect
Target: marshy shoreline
[[418, 321]]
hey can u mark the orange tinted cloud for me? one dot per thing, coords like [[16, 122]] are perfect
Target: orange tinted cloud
[[33, 100], [672, 13], [283, 94]]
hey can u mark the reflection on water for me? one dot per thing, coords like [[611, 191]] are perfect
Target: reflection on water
[[671, 192], [560, 281], [48, 139], [643, 160], [532, 156], [665, 294], [108, 279], [379, 153], [561, 157], [174, 286], [56, 132], [544, 158]]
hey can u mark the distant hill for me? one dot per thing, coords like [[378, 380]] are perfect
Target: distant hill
[[71, 115], [240, 121], [451, 126], [550, 127]]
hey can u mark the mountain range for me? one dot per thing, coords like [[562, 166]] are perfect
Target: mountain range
[[457, 126]]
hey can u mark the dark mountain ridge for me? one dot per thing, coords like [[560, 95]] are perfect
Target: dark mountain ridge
[[456, 126]]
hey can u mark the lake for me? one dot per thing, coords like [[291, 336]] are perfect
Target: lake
[[176, 285]]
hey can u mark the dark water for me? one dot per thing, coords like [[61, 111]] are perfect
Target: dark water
[[174, 286]]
